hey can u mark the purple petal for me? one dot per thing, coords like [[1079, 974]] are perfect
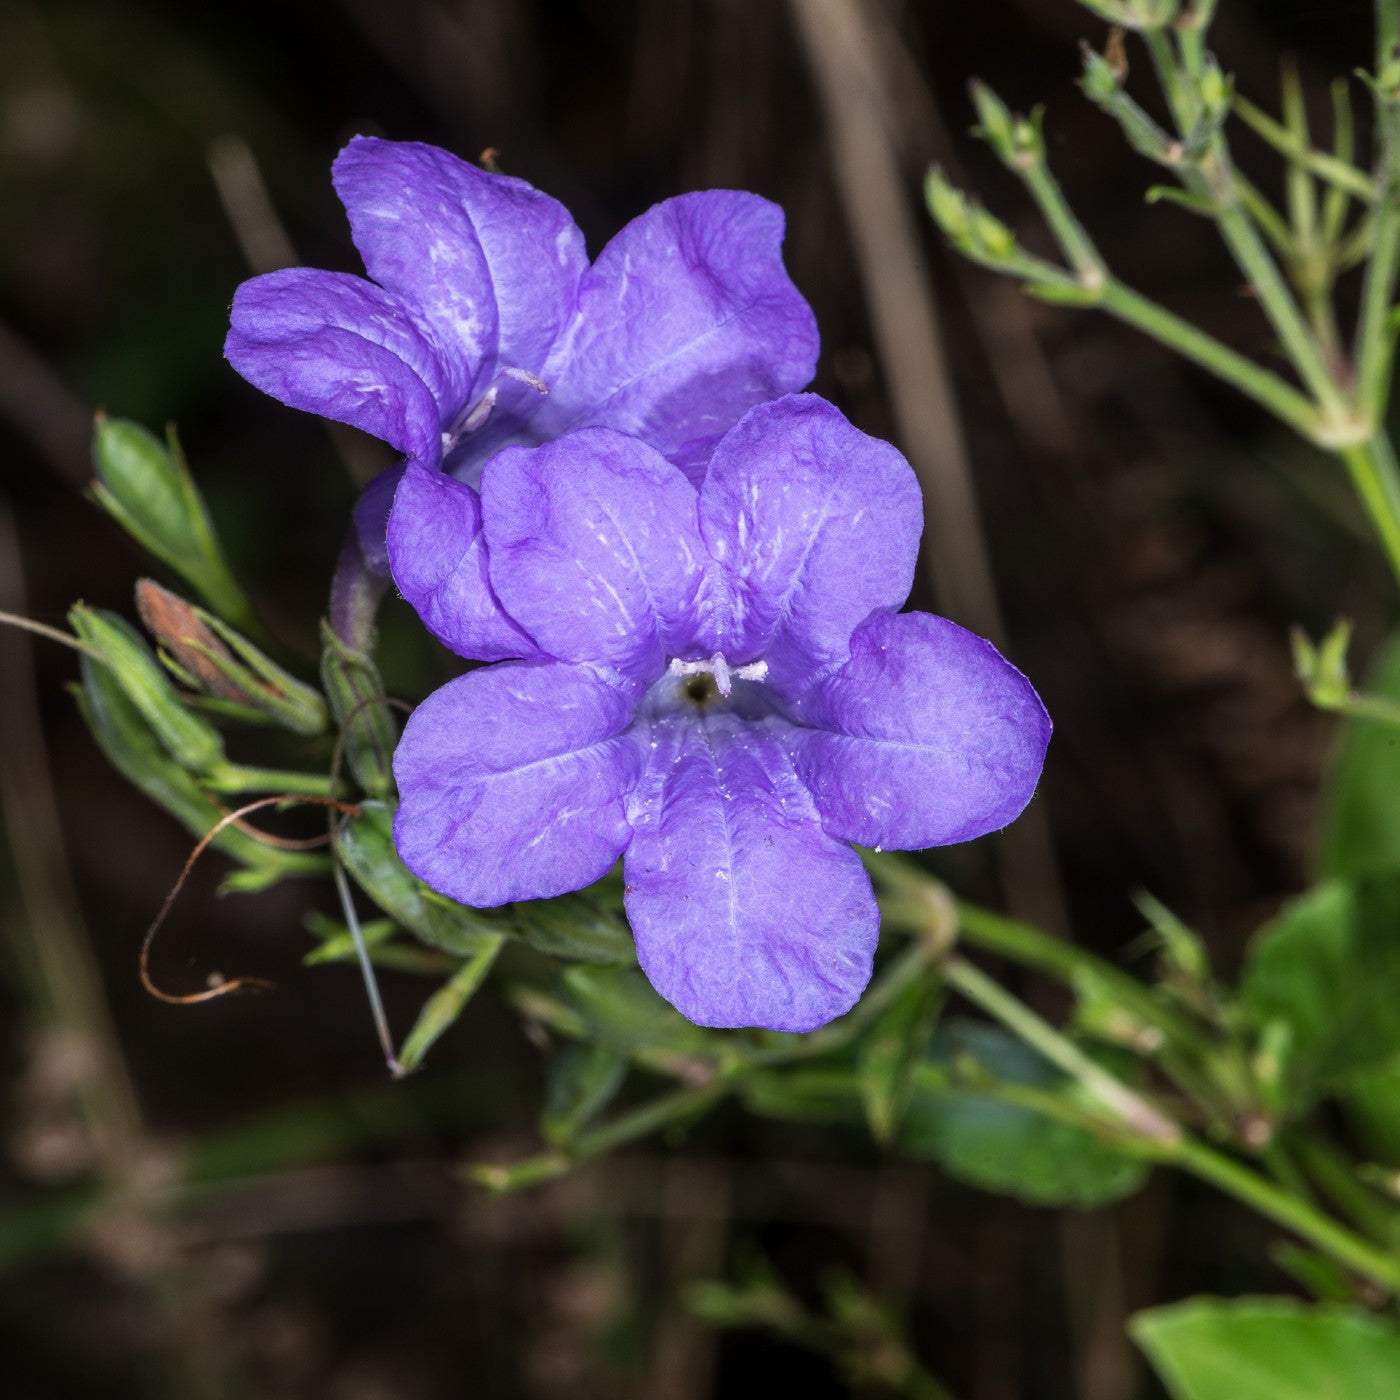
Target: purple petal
[[817, 527], [491, 261], [745, 912], [686, 320], [371, 517], [926, 736], [595, 549], [512, 783], [438, 557], [333, 344]]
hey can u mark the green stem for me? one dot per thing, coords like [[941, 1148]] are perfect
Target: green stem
[[1278, 1205], [1129, 1108], [1376, 476], [1262, 274], [1340, 174], [1261, 385], [664, 1112], [1374, 334], [1071, 235], [234, 777]]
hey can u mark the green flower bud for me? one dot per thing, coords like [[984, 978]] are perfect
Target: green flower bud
[[1134, 14], [989, 237], [946, 204], [1100, 80], [146, 487], [995, 124], [189, 739], [209, 656], [1216, 89], [139, 755], [1322, 668]]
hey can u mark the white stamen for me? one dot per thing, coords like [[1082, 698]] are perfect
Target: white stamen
[[524, 376], [719, 668]]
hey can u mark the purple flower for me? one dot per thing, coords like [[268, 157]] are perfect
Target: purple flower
[[485, 325], [713, 684]]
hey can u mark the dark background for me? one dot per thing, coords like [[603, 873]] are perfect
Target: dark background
[[1152, 538]]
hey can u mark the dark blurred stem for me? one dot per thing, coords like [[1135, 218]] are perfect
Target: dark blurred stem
[[849, 73], [65, 980], [356, 591]]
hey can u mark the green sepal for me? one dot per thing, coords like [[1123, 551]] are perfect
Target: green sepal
[[190, 740], [445, 1006], [889, 1051], [356, 695], [366, 846], [581, 928], [138, 755], [583, 1081]]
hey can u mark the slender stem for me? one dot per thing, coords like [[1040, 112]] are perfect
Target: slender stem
[[1131, 1109], [1180, 95], [1376, 476], [1372, 707], [1375, 336], [1263, 275], [1074, 966], [234, 777], [1261, 385], [53, 634], [1071, 235], [1340, 174], [663, 1112], [376, 1003], [1278, 1205]]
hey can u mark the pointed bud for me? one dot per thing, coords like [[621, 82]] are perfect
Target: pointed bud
[[209, 656], [946, 204], [994, 121], [188, 738], [1322, 668], [1135, 14], [135, 750], [145, 486]]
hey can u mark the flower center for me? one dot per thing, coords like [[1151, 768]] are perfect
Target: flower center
[[704, 680], [474, 415]]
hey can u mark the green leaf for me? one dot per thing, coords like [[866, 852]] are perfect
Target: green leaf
[[1270, 1349], [447, 1004], [582, 1082], [577, 928], [888, 1053], [1361, 802], [1372, 1103], [999, 1146], [366, 845], [623, 1010], [1322, 983], [803, 1095]]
